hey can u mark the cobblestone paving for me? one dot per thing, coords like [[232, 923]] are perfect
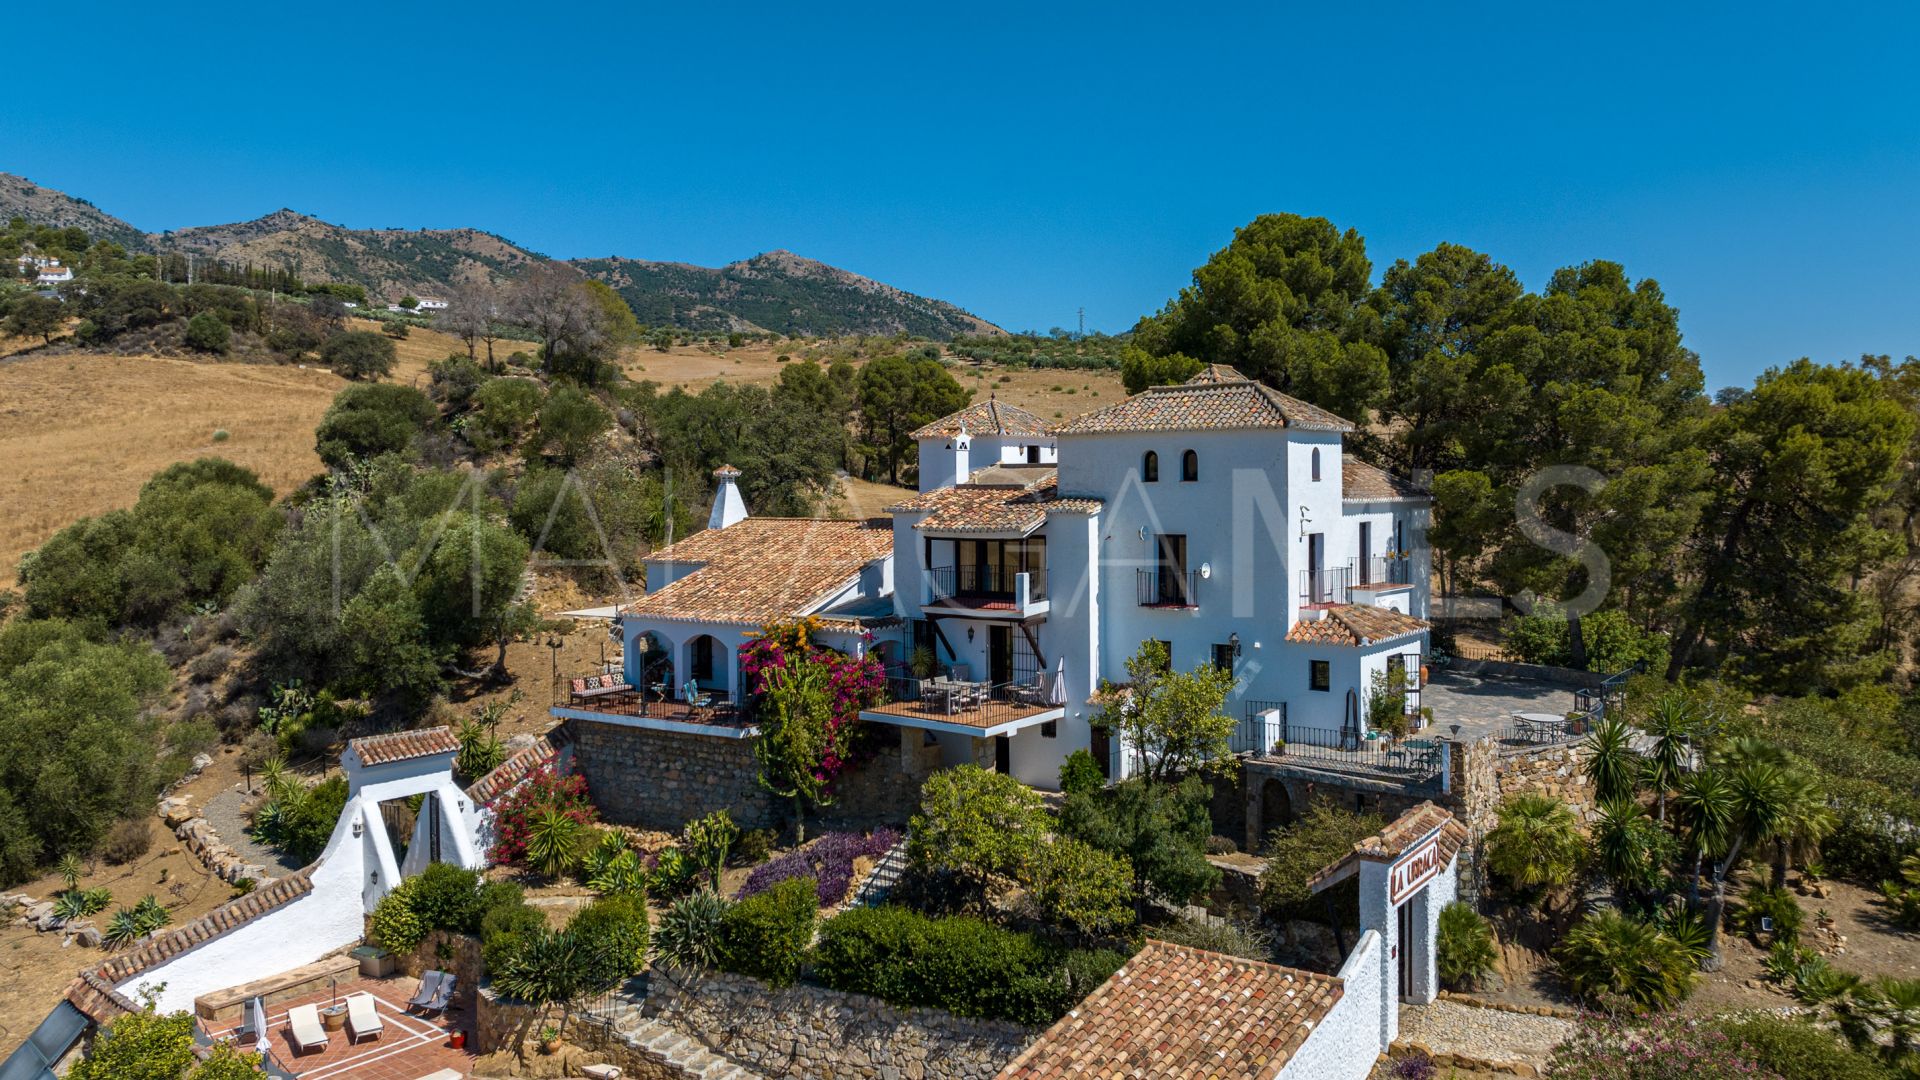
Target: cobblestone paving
[[1448, 1027]]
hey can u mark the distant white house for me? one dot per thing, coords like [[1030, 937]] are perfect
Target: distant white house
[[55, 275], [428, 304]]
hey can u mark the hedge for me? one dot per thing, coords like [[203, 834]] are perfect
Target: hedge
[[963, 965], [766, 935]]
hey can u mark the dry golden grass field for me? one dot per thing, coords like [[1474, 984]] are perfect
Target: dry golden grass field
[[80, 433]]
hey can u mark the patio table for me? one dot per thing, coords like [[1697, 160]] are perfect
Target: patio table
[[1540, 726]]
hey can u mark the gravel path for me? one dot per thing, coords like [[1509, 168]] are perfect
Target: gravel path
[[227, 812], [1448, 1027]]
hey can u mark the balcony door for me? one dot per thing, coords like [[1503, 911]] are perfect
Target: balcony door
[[1171, 568], [1316, 568], [999, 654], [986, 568], [1366, 553]]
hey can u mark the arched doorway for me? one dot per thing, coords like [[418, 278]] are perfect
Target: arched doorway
[[1276, 805], [708, 665], [652, 665]]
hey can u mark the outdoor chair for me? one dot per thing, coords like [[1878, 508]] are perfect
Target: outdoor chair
[[441, 996], [305, 1030], [696, 697], [430, 981], [363, 1018]]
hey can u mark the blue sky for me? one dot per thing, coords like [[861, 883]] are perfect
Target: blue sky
[[1762, 162]]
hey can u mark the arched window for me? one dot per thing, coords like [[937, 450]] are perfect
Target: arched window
[[1316, 463], [1189, 466], [1150, 468]]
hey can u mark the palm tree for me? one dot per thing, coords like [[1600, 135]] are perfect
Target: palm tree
[[1672, 722], [1629, 846], [1611, 763], [1704, 800], [1537, 843], [1806, 822], [1760, 797]]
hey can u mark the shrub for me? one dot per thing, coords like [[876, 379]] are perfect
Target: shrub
[[828, 860], [358, 354], [1232, 938], [503, 927], [616, 925], [454, 380], [207, 332], [504, 409], [1537, 844], [1321, 836], [394, 925], [515, 814], [754, 847], [1465, 947], [767, 935], [1082, 888], [126, 841], [707, 840], [670, 873], [1081, 774], [1798, 1050], [446, 897], [688, 936], [571, 421], [1668, 1047], [977, 824], [1608, 957], [964, 965], [1762, 903], [298, 819], [367, 421]]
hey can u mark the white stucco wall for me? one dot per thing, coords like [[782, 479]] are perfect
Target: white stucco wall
[[1346, 1043]]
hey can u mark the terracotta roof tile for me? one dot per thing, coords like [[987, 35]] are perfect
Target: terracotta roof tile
[[404, 745], [518, 766], [1355, 624], [989, 417], [1177, 1011], [1218, 398], [993, 507], [1404, 832], [1361, 482], [761, 569], [92, 993]]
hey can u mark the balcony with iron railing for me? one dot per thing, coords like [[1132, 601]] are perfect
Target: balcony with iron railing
[[1167, 587], [952, 700], [987, 589], [1326, 588], [1265, 732], [1382, 572]]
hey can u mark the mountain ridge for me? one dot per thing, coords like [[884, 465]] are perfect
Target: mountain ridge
[[777, 291]]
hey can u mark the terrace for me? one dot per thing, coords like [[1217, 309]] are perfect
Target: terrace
[[712, 713], [970, 708], [410, 1047]]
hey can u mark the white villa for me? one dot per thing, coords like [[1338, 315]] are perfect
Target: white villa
[[1219, 517]]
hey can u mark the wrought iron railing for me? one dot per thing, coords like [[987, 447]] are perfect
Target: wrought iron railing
[[1168, 587], [984, 581], [1260, 733], [1330, 586], [1414, 759], [982, 704], [1378, 570]]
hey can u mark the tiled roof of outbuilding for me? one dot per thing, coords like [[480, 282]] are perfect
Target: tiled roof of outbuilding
[[1179, 1011], [1393, 841], [761, 569], [1218, 399], [404, 745], [994, 507], [1355, 624], [1361, 482], [989, 417]]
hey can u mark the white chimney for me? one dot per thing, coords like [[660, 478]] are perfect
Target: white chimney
[[728, 507], [946, 462]]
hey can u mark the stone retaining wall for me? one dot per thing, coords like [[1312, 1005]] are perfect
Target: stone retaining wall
[[197, 835], [809, 1031], [663, 779], [1483, 777], [505, 1034]]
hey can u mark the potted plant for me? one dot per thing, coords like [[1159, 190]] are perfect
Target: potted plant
[[1279, 747], [549, 1040], [922, 663]]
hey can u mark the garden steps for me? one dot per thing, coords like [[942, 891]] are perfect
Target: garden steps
[[886, 874], [673, 1047]]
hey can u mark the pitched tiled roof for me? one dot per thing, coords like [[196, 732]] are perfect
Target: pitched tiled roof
[[761, 569], [1178, 1011], [1218, 398], [1361, 482], [994, 506], [1355, 624], [518, 766], [92, 993], [404, 745], [1393, 841], [989, 417]]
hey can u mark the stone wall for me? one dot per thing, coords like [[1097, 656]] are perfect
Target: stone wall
[[808, 1031], [1483, 777], [662, 779], [506, 1034], [441, 950]]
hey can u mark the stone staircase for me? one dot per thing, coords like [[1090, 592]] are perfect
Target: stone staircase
[[674, 1049], [886, 874]]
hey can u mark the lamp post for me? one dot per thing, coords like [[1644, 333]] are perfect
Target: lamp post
[[553, 654]]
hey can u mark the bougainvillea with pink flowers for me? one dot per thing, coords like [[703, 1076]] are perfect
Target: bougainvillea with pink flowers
[[852, 683], [542, 790]]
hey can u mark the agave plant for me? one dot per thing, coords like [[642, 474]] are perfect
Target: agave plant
[[621, 875], [553, 841], [1688, 928], [122, 930], [150, 914], [70, 869], [688, 934]]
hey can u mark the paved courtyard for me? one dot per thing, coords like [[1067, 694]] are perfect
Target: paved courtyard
[[1483, 704], [409, 1048]]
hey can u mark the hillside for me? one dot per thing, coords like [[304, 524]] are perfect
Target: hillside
[[778, 291], [781, 292], [21, 197]]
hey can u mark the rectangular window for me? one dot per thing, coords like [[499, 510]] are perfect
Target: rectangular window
[[1319, 675], [1166, 649], [1050, 729], [1223, 656]]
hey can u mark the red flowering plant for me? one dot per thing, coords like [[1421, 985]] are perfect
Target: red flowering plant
[[851, 683], [515, 812], [1663, 1047]]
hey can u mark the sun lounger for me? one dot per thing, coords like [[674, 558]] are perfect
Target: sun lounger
[[441, 996], [303, 1027], [363, 1018], [429, 985]]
